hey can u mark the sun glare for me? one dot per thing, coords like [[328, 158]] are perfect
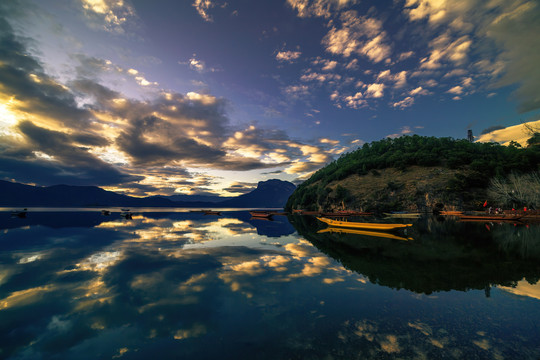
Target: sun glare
[[8, 119]]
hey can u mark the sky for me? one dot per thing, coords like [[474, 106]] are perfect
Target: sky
[[211, 97]]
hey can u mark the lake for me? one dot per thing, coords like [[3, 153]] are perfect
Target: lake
[[174, 284]]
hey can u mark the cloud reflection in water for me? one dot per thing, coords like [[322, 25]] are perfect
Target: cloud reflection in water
[[173, 284]]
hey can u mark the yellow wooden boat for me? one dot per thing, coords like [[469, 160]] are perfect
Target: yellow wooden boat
[[359, 225], [363, 232]]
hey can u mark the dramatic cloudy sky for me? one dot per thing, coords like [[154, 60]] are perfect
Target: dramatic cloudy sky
[[211, 96]]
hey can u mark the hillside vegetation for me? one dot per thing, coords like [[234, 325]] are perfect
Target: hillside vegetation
[[414, 173]]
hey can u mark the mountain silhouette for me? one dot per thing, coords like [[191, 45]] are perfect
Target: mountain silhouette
[[270, 194]]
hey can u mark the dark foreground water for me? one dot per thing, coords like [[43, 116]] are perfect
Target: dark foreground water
[[180, 285]]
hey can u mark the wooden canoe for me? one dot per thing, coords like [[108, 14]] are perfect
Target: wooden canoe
[[451, 213], [359, 225], [260, 214], [403, 215]]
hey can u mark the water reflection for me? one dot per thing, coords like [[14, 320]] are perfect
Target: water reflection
[[445, 255], [182, 285]]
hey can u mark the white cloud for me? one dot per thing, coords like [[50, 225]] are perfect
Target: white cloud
[[313, 76], [288, 56], [355, 101], [359, 34], [375, 90], [456, 90], [296, 91], [319, 8], [202, 7], [405, 103], [112, 14], [196, 65], [329, 141], [399, 79], [505, 38], [419, 91], [434, 10], [352, 65], [329, 65], [405, 55], [445, 49], [143, 82]]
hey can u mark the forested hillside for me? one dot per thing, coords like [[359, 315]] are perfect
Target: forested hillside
[[464, 172]]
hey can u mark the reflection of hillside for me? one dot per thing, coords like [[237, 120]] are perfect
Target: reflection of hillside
[[444, 256]]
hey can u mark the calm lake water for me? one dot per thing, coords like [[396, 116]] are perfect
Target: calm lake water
[[182, 285]]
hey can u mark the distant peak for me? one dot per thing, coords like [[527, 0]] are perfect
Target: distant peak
[[275, 183]]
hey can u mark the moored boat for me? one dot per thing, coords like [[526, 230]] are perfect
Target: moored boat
[[212, 212], [19, 213], [451, 213], [403, 215], [359, 225], [260, 214]]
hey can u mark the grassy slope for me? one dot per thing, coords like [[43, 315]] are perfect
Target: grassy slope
[[415, 189]]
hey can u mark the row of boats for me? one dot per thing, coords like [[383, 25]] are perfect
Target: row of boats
[[386, 229]]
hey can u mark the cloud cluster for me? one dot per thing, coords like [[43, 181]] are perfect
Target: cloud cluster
[[288, 56], [319, 8], [461, 47], [83, 132], [360, 35], [502, 36], [109, 15]]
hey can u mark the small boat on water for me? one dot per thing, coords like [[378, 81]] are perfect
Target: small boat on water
[[212, 212], [363, 232], [359, 225], [403, 215], [105, 212], [19, 213], [451, 213], [125, 210], [260, 214]]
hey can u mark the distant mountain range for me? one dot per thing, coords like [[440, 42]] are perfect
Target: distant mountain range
[[192, 198], [268, 194]]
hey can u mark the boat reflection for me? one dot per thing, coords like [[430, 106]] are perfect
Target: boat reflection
[[363, 232]]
